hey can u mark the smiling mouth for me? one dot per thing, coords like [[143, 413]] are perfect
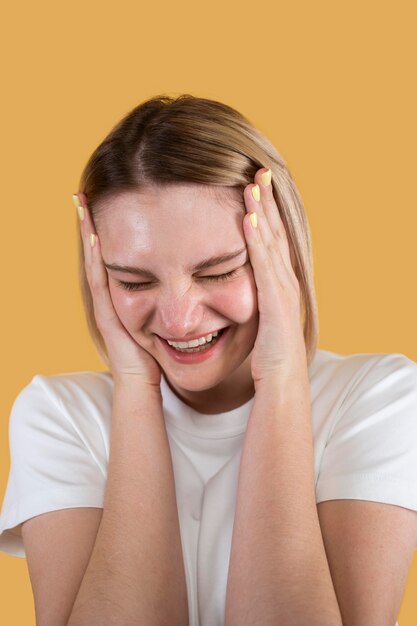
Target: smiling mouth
[[205, 346], [218, 330]]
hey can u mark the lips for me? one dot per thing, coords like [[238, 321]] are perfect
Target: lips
[[186, 339], [195, 356]]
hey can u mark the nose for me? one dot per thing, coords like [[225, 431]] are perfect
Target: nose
[[180, 315]]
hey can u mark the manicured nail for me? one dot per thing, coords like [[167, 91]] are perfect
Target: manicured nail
[[80, 208], [256, 193], [92, 239], [266, 178], [253, 219]]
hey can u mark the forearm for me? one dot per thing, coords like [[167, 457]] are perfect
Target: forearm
[[136, 571], [278, 571]]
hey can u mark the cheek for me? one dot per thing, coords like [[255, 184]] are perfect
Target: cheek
[[126, 306], [238, 300]]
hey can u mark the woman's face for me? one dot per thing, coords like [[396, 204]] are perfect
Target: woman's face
[[168, 231]]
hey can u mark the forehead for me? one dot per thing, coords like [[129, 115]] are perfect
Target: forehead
[[185, 216], [192, 196]]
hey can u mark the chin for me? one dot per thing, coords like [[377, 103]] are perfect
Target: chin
[[191, 382]]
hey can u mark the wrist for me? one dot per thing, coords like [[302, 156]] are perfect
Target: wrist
[[282, 387], [132, 387]]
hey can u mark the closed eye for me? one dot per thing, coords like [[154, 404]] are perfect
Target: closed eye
[[138, 286]]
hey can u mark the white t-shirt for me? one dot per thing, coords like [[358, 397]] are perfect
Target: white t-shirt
[[364, 417]]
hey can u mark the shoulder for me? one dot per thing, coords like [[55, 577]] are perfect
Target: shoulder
[[70, 384], [59, 449], [352, 375], [366, 429], [325, 360], [79, 401], [73, 386]]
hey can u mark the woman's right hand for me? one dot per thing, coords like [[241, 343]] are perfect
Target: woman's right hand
[[129, 362]]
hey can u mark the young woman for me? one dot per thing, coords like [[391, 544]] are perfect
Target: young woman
[[223, 470]]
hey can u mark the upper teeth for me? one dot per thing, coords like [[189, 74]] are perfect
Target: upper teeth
[[195, 342]]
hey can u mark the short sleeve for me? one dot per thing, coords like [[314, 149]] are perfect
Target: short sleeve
[[371, 452], [51, 466]]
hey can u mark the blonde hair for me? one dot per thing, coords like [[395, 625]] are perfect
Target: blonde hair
[[181, 139]]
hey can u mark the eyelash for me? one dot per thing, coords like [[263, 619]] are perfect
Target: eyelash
[[138, 286]]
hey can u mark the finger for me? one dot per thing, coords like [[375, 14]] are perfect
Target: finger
[[271, 245], [271, 211], [269, 205], [95, 270], [277, 300], [263, 266]]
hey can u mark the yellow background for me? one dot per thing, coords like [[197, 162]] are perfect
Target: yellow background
[[331, 84]]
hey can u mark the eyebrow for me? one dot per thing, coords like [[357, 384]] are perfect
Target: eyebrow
[[210, 262]]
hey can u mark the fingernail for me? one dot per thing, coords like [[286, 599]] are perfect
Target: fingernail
[[253, 219], [92, 239], [256, 193], [266, 178], [80, 208]]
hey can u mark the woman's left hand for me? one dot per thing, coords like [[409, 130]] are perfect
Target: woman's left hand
[[279, 353]]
